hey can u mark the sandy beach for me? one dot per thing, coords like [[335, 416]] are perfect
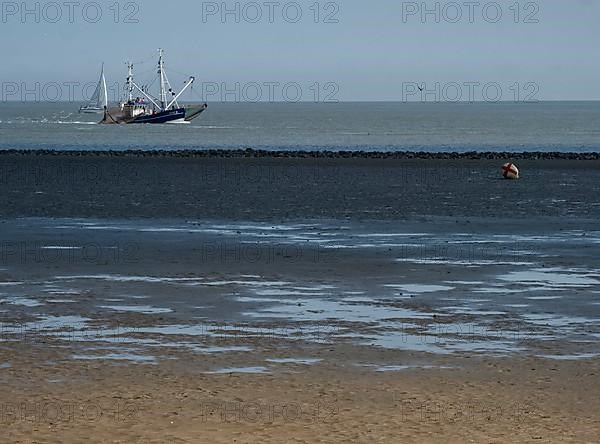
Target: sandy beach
[[158, 299]]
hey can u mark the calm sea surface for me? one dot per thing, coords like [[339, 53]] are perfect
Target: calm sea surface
[[543, 126]]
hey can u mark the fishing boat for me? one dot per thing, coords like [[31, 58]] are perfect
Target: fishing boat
[[141, 107], [99, 100]]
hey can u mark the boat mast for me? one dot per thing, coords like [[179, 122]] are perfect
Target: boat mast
[[133, 85], [161, 72], [130, 81]]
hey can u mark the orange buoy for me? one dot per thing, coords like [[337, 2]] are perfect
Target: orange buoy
[[510, 171]]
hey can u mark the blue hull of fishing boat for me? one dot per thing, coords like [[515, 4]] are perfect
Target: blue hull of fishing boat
[[162, 117]]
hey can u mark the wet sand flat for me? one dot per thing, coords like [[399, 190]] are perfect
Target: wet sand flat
[[298, 300], [272, 188]]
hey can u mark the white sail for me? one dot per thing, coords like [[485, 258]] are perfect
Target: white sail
[[104, 93], [99, 99]]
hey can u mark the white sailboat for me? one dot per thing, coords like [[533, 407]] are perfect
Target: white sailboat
[[99, 100]]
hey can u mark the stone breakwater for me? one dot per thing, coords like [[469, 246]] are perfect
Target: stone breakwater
[[251, 153]]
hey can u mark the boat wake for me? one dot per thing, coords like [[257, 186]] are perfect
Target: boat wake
[[76, 122], [46, 121]]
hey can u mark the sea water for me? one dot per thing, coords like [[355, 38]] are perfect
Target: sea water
[[379, 126]]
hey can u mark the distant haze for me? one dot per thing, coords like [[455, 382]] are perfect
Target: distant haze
[[350, 50]]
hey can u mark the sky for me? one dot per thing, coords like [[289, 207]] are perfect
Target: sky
[[348, 50]]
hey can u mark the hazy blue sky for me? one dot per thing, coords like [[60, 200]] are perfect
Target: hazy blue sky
[[373, 52]]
